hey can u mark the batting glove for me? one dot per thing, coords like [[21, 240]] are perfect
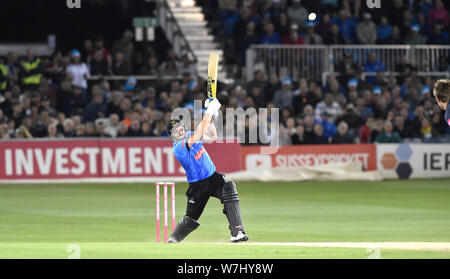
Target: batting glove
[[213, 107]]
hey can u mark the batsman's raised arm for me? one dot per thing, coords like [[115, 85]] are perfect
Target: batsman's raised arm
[[211, 134], [204, 126]]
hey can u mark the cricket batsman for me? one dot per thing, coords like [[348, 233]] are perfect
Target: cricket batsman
[[204, 180], [442, 94]]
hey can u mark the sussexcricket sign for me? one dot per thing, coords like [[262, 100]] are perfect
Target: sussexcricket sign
[[73, 159], [309, 155]]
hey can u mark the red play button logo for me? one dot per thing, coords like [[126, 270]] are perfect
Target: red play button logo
[[258, 161]]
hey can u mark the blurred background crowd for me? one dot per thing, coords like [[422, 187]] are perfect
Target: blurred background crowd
[[245, 22], [68, 95]]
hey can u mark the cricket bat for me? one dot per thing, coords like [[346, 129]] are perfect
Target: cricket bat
[[213, 65]]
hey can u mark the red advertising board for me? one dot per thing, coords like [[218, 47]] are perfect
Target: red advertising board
[[71, 159], [309, 155]]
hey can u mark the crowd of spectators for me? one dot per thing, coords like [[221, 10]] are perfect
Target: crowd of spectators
[[64, 105], [54, 97], [67, 95], [337, 22]]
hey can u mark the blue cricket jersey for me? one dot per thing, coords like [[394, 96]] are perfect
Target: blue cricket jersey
[[447, 114], [195, 160]]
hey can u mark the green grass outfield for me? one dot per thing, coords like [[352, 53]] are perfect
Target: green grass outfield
[[283, 220]]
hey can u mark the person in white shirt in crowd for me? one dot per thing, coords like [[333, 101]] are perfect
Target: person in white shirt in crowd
[[78, 71], [330, 106], [112, 124]]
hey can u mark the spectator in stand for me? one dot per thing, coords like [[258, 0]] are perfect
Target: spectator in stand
[[324, 27], [121, 67], [372, 66], [31, 71], [169, 68], [250, 38], [78, 72], [126, 47], [90, 130], [100, 130], [438, 37], [13, 69], [404, 67], [241, 24], [272, 87], [105, 54], [297, 13], [352, 6], [151, 68], [95, 109], [329, 106], [69, 128], [384, 30], [270, 36], [334, 37], [309, 129], [112, 125], [329, 5], [380, 79], [347, 26], [438, 14], [283, 97], [282, 25], [348, 69], [135, 129], [395, 38], [52, 132], [342, 136], [352, 118], [80, 131], [293, 38], [388, 135], [414, 37], [258, 81], [187, 67], [123, 130], [3, 76], [399, 126], [273, 9], [395, 12], [290, 127], [319, 137], [98, 65], [88, 51], [160, 130], [299, 136], [367, 30], [146, 130], [311, 38], [426, 131], [366, 130], [407, 23], [329, 129], [375, 129], [75, 102]]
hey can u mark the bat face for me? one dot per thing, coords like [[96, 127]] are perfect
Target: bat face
[[213, 64]]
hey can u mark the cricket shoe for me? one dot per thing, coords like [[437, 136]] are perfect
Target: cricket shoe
[[239, 237], [172, 240]]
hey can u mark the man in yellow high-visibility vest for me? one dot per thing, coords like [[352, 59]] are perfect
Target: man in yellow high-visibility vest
[[31, 71], [3, 76]]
